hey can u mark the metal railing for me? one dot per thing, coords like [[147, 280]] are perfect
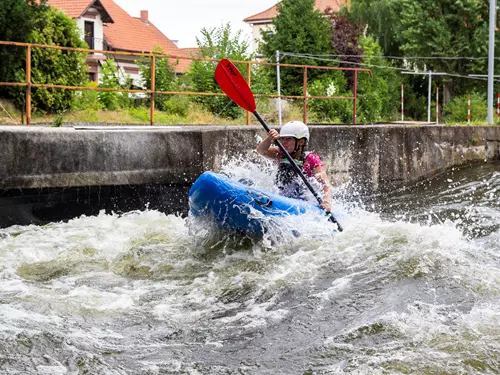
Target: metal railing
[[152, 90]]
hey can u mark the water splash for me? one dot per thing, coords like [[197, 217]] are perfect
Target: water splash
[[137, 294]]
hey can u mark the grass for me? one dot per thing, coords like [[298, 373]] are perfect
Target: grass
[[196, 115], [8, 114]]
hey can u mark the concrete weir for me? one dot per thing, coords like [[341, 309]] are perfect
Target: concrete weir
[[45, 163]]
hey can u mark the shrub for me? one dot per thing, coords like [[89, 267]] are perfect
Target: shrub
[[377, 95], [330, 110], [110, 80], [217, 44], [177, 105], [140, 113], [53, 66], [165, 78], [456, 110], [58, 120], [87, 99]]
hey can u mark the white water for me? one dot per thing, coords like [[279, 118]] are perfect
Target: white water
[[141, 293]]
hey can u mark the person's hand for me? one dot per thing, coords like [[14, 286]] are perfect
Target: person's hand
[[325, 205], [273, 135]]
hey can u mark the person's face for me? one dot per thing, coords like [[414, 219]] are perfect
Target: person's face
[[288, 143]]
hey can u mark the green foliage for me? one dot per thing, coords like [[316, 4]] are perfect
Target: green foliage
[[177, 105], [42, 25], [260, 79], [431, 28], [58, 120], [140, 113], [345, 40], [300, 29], [217, 44], [456, 110], [89, 115], [444, 28], [87, 99], [109, 79], [16, 22], [331, 110], [415, 99], [377, 96], [381, 18], [53, 66], [164, 75]]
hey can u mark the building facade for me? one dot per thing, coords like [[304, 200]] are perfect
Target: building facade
[[105, 26]]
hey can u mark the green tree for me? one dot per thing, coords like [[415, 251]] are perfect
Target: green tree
[[381, 19], [52, 66], [217, 44], [165, 78], [330, 110], [109, 79], [421, 29], [446, 28], [16, 22], [298, 29], [379, 94]]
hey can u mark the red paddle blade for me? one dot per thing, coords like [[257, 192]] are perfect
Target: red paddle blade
[[234, 85]]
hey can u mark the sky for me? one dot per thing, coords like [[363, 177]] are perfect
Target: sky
[[182, 20]]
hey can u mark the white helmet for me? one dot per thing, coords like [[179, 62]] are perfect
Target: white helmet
[[295, 129]]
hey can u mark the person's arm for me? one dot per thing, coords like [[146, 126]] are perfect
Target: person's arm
[[265, 147], [320, 174]]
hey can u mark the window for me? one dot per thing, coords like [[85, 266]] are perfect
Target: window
[[89, 34], [92, 77]]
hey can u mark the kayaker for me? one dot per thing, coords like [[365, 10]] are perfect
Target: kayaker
[[294, 137]]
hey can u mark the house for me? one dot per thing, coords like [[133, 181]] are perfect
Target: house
[[262, 22], [106, 26]]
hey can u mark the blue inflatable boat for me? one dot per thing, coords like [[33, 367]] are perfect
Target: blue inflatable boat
[[240, 207]]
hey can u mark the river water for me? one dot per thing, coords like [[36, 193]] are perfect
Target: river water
[[410, 287]]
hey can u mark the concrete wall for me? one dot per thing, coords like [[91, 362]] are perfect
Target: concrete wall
[[375, 157]]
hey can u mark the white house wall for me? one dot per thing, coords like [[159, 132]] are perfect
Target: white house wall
[[98, 27], [256, 33], [125, 65], [128, 68]]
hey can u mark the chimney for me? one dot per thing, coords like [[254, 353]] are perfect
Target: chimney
[[144, 15]]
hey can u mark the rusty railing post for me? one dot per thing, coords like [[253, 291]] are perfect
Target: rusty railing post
[[28, 85], [248, 81], [305, 96], [355, 116], [153, 89]]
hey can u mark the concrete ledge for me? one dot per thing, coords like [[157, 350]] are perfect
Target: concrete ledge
[[376, 157]]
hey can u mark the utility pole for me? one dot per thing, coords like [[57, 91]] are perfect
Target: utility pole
[[491, 58]]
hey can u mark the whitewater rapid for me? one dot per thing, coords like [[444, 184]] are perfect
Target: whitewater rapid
[[410, 286]]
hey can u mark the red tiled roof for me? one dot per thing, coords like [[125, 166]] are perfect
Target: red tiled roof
[[75, 8], [272, 12], [194, 52], [132, 34], [268, 14], [182, 64], [126, 33]]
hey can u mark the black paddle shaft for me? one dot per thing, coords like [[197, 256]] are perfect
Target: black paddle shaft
[[298, 171]]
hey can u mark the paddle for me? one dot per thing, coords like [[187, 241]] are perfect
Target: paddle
[[236, 88]]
